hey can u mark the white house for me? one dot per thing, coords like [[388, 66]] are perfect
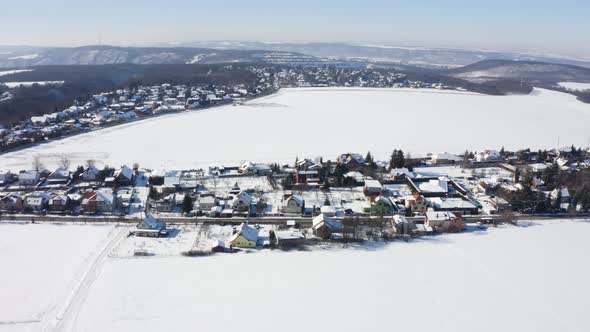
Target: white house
[[90, 173], [28, 178]]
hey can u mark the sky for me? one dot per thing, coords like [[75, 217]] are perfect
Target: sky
[[549, 26]]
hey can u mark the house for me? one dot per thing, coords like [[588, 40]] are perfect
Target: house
[[433, 187], [444, 221], [11, 202], [290, 239], [6, 177], [328, 210], [255, 169], [242, 201], [122, 176], [400, 173], [307, 177], [59, 202], [90, 174], [59, 176], [445, 158], [245, 237], [372, 187], [487, 155], [36, 201], [97, 201], [28, 178], [562, 193], [305, 164], [206, 203], [165, 204], [324, 226], [352, 161], [403, 226], [293, 204], [453, 204], [416, 203], [383, 204], [150, 227], [358, 177]]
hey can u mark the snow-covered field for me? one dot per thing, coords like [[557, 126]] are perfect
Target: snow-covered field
[[575, 86], [28, 84], [12, 72], [505, 279], [41, 264], [328, 121]]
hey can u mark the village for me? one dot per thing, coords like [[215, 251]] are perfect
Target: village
[[308, 202], [135, 102]]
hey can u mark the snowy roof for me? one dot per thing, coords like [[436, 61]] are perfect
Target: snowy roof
[[374, 184], [439, 216], [399, 219], [452, 203], [434, 186], [296, 198], [125, 172], [105, 196], [91, 170], [446, 156], [248, 232], [329, 222], [60, 172], [150, 222]]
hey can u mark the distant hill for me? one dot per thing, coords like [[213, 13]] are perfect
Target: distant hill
[[20, 57], [414, 56], [536, 73]]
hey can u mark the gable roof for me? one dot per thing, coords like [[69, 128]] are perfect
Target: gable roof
[[150, 222], [125, 172], [248, 232], [332, 224]]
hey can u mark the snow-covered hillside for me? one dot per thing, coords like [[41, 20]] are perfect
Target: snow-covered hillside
[[313, 122], [507, 279]]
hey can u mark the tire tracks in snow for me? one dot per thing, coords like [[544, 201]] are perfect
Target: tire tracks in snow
[[64, 319]]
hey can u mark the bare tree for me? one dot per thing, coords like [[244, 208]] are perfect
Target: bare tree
[[37, 164], [64, 162]]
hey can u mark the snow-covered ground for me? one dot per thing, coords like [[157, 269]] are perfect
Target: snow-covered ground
[[575, 86], [41, 265], [12, 72], [25, 57], [28, 84], [505, 279], [328, 121]]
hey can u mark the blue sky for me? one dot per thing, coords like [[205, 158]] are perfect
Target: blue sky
[[538, 26]]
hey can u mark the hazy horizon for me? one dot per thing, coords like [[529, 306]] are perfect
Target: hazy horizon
[[526, 27]]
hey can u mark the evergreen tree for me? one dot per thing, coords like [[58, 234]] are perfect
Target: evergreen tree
[[289, 181], [556, 204], [369, 159], [401, 160], [392, 161], [339, 174], [583, 198], [187, 204], [272, 238]]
